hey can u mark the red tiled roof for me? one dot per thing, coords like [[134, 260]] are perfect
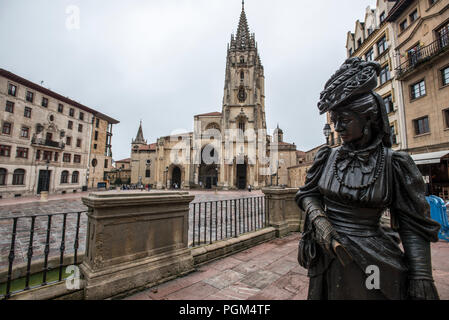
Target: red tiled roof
[[124, 160], [47, 92], [148, 147], [211, 114]]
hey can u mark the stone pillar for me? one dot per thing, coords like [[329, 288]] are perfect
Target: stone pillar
[[285, 215], [135, 240]]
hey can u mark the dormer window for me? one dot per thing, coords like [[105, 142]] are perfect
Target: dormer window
[[382, 17]]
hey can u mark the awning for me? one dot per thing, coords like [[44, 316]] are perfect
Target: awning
[[429, 158]]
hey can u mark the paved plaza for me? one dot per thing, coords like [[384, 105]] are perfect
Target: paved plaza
[[24, 207], [268, 271]]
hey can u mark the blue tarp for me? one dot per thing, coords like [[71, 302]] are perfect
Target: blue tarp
[[439, 214]]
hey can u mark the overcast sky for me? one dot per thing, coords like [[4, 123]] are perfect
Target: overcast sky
[[163, 61]]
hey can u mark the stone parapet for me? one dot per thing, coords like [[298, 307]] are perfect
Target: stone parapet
[[135, 240], [284, 214]]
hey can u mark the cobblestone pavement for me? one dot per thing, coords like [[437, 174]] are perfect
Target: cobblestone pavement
[[72, 203], [268, 271]]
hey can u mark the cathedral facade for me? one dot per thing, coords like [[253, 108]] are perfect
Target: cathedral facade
[[228, 149]]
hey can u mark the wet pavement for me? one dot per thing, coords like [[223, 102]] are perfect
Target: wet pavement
[[268, 271]]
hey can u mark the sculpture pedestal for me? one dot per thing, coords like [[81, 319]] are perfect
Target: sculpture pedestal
[[134, 241]]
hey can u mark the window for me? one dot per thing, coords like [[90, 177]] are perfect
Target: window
[[60, 108], [393, 135], [78, 143], [446, 117], [369, 56], [70, 125], [382, 17], [75, 176], [97, 123], [44, 102], [388, 100], [413, 54], [72, 112], [38, 155], [68, 141], [18, 177], [49, 136], [27, 112], [445, 76], [3, 176], [418, 90], [105, 163], [56, 156], [242, 75], [414, 15], [9, 106], [359, 43], [370, 30], [384, 75], [242, 60], [66, 157], [64, 177], [47, 155], [77, 158], [350, 52], [421, 125], [5, 151], [95, 146], [148, 174], [96, 135], [12, 89], [80, 128], [6, 128], [81, 116], [29, 96], [403, 25], [22, 153], [382, 45], [443, 35], [25, 132]]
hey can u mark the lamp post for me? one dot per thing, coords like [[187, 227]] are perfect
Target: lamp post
[[166, 177], [327, 132]]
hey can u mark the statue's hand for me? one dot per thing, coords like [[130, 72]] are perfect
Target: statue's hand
[[422, 290], [324, 231]]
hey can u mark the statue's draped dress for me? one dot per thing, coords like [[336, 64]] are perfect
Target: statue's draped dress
[[388, 180]]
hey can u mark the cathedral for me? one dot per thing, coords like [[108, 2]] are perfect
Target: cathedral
[[228, 149]]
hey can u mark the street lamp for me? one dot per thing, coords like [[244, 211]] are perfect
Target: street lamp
[[327, 132], [166, 177]]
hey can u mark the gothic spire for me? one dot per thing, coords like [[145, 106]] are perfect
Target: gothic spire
[[139, 138]]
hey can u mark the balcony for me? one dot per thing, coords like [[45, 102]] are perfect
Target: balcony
[[47, 143], [423, 55]]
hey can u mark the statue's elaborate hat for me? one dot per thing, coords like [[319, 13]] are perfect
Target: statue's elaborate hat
[[354, 78]]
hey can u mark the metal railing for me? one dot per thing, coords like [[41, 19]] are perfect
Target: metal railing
[[423, 54], [50, 235], [48, 143], [213, 221]]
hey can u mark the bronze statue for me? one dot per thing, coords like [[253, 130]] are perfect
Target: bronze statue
[[346, 191]]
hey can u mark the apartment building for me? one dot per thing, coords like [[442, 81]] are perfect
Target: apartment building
[[45, 139]]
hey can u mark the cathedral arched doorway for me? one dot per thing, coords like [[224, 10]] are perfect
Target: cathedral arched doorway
[[176, 178], [208, 171], [241, 176]]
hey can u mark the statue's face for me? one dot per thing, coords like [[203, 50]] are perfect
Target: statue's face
[[348, 125]]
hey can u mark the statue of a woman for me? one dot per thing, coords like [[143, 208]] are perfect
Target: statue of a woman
[[348, 254]]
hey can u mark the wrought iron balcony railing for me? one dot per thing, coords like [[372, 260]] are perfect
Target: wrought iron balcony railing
[[423, 54], [48, 143]]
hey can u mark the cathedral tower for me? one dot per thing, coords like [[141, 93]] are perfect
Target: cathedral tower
[[244, 91]]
